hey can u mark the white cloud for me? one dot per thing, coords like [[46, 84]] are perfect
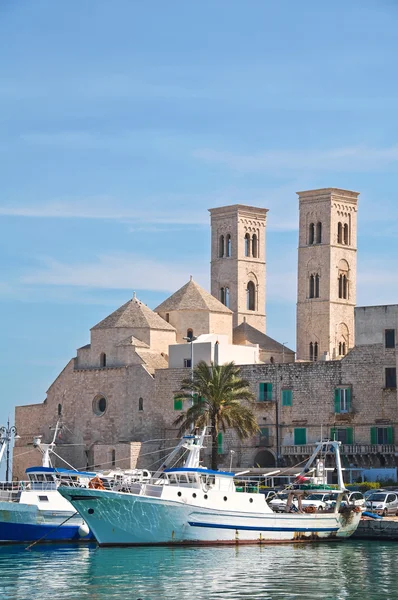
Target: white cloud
[[358, 158], [117, 271]]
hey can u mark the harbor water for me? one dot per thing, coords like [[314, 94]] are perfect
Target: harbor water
[[336, 571]]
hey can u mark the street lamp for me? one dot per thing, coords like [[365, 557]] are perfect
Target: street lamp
[[6, 434], [232, 452], [191, 339]]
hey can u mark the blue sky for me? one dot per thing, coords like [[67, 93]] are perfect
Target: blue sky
[[122, 122]]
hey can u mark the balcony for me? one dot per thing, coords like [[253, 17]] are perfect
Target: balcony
[[345, 449]]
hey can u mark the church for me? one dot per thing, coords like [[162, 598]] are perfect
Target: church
[[116, 397]]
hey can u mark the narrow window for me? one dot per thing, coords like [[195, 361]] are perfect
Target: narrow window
[[226, 297], [102, 359], [167, 317], [315, 351], [391, 377], [222, 295], [221, 247], [187, 363], [319, 233], [345, 287], [177, 403], [344, 350], [254, 246], [311, 237], [140, 404], [346, 234], [342, 400], [190, 333], [247, 244], [340, 286], [339, 233], [251, 296], [265, 392], [316, 286], [59, 410], [300, 436], [312, 286], [340, 349], [229, 247], [113, 458], [389, 336], [287, 397], [311, 351]]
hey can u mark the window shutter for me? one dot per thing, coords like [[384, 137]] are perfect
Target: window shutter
[[333, 433], [300, 436], [348, 398], [268, 391], [337, 400], [390, 435], [287, 397], [219, 443], [261, 393], [350, 435], [177, 404], [373, 435]]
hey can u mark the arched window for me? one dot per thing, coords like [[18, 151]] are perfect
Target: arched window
[[140, 403], [344, 349], [311, 237], [221, 247], [340, 349], [254, 246], [229, 246], [312, 286], [346, 241], [319, 233], [251, 296], [339, 233], [167, 317], [190, 333], [315, 351], [311, 351], [343, 286], [59, 410], [317, 286], [226, 297], [102, 359], [247, 244], [113, 457], [222, 295]]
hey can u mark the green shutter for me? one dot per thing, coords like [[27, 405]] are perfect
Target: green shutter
[[177, 403], [300, 436], [333, 432], [261, 392], [390, 435], [373, 435], [348, 397], [269, 391], [287, 397], [337, 400], [350, 435], [219, 443]]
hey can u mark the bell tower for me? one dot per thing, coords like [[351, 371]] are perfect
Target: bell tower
[[238, 261], [327, 266]]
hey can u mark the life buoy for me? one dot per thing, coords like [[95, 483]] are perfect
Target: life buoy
[[310, 509], [96, 484]]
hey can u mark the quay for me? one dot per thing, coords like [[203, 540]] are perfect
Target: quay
[[377, 529]]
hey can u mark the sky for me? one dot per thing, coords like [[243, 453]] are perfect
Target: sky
[[122, 122]]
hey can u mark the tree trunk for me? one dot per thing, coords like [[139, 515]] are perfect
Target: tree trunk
[[214, 446]]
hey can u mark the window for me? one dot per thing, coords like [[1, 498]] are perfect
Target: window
[[316, 286], [187, 362], [220, 443], [311, 236], [254, 246], [300, 436], [265, 392], [224, 296], [389, 336], [221, 247], [227, 297], [247, 244], [381, 435], [102, 359], [342, 400], [287, 397], [178, 403], [315, 351], [345, 238], [251, 296], [264, 436], [312, 286], [339, 233], [140, 404], [319, 233], [43, 498], [311, 351], [391, 377], [99, 405], [342, 434], [113, 457], [167, 317], [190, 333], [229, 247], [342, 349], [343, 286], [59, 410]]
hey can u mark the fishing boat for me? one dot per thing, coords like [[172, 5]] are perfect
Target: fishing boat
[[195, 505]]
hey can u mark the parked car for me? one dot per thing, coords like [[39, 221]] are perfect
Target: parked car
[[279, 502], [355, 498], [269, 493], [383, 503], [319, 500], [370, 492]]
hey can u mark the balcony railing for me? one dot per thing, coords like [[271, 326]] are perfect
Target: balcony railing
[[344, 449]]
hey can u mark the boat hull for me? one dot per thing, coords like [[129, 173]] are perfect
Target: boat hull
[[22, 523], [128, 520]]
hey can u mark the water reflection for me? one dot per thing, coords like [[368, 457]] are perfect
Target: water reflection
[[341, 571]]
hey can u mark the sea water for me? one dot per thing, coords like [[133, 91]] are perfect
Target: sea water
[[331, 571]]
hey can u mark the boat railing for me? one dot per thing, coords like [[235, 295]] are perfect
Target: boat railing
[[250, 484]]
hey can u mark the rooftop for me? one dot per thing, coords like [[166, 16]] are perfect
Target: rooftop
[[134, 314], [247, 333], [192, 297]]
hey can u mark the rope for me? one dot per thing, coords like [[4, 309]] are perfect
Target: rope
[[48, 533]]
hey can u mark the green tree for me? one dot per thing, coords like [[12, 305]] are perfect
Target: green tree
[[217, 392]]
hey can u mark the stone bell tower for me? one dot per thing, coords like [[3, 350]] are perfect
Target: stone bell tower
[[327, 266], [238, 261]]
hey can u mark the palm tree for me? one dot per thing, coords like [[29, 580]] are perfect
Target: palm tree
[[217, 392]]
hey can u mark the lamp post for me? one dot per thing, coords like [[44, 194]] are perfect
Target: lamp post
[[231, 452], [6, 434], [191, 339]]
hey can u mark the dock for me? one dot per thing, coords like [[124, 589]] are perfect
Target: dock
[[377, 529]]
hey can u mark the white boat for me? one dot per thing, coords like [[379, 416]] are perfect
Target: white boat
[[195, 505]]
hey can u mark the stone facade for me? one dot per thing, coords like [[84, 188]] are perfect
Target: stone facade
[[238, 261], [326, 273]]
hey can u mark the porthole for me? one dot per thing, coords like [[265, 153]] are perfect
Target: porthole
[[90, 511], [193, 495], [250, 499], [225, 498], [205, 496], [179, 494], [99, 405]]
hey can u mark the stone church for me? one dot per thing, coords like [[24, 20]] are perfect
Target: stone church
[[115, 398]]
